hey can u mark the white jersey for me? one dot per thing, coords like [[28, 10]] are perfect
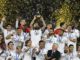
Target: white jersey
[[10, 54], [35, 36], [2, 58], [41, 55], [18, 56], [62, 40], [3, 55], [72, 36], [78, 56], [19, 38], [49, 42], [45, 34], [71, 56], [27, 53], [77, 32], [6, 33]]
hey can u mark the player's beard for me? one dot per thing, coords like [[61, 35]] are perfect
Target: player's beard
[[36, 28]]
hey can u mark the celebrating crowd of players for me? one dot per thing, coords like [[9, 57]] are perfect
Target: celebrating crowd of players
[[39, 41]]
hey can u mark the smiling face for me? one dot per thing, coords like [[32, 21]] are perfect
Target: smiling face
[[54, 47], [23, 22], [42, 45], [36, 26], [9, 27], [71, 48], [19, 31], [69, 28], [11, 46], [29, 43], [49, 26]]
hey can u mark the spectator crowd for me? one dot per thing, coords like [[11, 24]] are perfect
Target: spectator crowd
[[38, 41]]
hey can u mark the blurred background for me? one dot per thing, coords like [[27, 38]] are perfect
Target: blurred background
[[59, 10]]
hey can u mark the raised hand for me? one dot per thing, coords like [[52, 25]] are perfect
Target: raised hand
[[4, 18], [34, 17]]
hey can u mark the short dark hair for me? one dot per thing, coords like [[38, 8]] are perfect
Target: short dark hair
[[10, 42], [26, 42], [71, 45], [41, 41], [61, 24], [9, 24]]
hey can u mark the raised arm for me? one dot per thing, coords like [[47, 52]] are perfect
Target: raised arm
[[32, 22], [17, 22], [44, 24], [1, 24]]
